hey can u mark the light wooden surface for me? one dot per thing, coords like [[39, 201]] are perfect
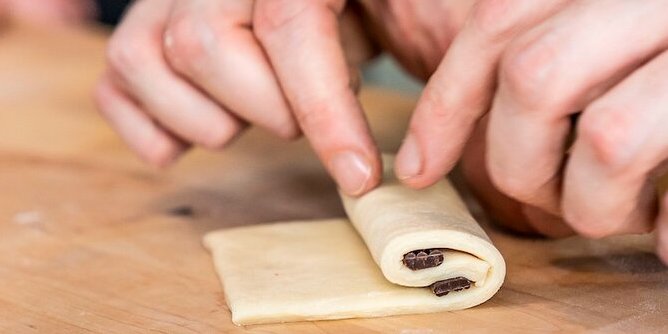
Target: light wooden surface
[[87, 243]]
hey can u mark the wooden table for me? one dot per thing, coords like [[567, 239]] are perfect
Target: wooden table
[[93, 241]]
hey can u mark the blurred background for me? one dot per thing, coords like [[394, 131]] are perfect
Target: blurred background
[[385, 72]]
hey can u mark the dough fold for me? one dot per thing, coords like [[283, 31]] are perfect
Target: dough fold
[[332, 269], [394, 220]]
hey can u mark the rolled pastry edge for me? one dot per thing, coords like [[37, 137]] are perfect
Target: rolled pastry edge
[[394, 220]]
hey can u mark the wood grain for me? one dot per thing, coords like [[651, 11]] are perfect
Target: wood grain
[[90, 242]]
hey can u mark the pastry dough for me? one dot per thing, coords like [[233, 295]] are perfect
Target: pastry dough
[[394, 220], [316, 270]]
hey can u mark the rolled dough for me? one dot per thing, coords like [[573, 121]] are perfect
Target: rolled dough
[[331, 269], [394, 220]]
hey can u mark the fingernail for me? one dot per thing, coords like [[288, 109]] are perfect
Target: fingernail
[[409, 159], [351, 171]]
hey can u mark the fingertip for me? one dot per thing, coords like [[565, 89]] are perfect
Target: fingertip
[[152, 144], [545, 223], [161, 152], [408, 164], [222, 133], [288, 131], [355, 173], [160, 163]]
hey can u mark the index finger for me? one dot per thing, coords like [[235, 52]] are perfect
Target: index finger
[[302, 41]]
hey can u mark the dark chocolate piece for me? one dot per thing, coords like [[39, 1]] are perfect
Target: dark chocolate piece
[[423, 258], [442, 288]]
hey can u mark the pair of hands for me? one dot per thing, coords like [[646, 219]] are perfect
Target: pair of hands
[[505, 78]]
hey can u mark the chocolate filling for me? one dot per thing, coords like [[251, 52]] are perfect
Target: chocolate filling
[[423, 259], [442, 288]]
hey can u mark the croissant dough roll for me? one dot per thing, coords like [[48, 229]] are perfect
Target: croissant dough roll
[[394, 220], [332, 269]]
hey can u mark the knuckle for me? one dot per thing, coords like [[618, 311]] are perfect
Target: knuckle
[[492, 19], [442, 106], [315, 116], [270, 16], [438, 104], [282, 122], [525, 73], [189, 43], [606, 132], [290, 131], [127, 55], [311, 119]]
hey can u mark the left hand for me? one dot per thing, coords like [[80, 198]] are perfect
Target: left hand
[[605, 59]]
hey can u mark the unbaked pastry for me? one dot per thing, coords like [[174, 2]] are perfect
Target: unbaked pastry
[[316, 270]]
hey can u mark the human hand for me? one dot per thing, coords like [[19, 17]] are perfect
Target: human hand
[[605, 59], [198, 71]]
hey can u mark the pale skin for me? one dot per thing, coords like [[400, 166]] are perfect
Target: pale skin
[[50, 12], [504, 78]]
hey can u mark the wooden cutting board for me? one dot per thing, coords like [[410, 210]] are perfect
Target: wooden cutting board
[[93, 241]]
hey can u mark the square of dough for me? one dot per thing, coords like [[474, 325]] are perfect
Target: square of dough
[[310, 270]]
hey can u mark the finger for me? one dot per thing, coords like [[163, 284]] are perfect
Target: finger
[[416, 33], [662, 231], [357, 42], [460, 90], [553, 71], [545, 223], [135, 55], [302, 41], [621, 141], [211, 43], [502, 209], [142, 135]]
